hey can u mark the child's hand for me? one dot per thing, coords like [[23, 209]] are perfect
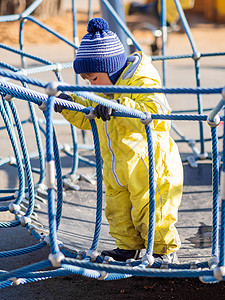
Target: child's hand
[[59, 108], [103, 112]]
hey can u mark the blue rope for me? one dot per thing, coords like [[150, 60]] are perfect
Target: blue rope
[[9, 18], [215, 183], [23, 250], [99, 186], [151, 225], [59, 181], [113, 89], [222, 219], [27, 165], [51, 192], [183, 56], [41, 60], [8, 224], [31, 8], [222, 235], [5, 284], [58, 35], [185, 25], [38, 141], [127, 89], [20, 273], [200, 110], [75, 150], [15, 147], [21, 43], [136, 271], [6, 198], [7, 66], [46, 274]]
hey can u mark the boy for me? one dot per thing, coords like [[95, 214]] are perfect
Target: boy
[[101, 60]]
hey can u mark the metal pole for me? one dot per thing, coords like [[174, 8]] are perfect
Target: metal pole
[[113, 25]]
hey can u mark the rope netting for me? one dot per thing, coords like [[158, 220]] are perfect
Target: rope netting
[[24, 199]]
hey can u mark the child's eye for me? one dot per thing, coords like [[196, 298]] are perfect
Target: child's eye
[[94, 79]]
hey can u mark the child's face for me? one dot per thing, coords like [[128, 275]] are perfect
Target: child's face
[[97, 78]]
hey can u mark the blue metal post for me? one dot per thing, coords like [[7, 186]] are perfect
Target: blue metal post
[[113, 25]]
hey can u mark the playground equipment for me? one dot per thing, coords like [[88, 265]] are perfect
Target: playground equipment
[[88, 263]]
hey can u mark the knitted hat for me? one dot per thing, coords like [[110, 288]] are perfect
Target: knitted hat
[[100, 50]]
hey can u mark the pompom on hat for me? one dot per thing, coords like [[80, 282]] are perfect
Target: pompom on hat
[[100, 50]]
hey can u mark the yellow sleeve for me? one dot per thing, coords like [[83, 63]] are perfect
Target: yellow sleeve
[[76, 118], [153, 103]]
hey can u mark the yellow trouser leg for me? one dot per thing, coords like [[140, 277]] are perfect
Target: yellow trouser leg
[[167, 200], [118, 213], [127, 208]]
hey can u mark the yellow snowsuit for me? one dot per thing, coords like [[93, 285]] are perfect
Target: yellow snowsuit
[[125, 160]]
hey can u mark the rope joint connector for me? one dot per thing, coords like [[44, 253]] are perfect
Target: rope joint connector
[[193, 265], [215, 122], [203, 156], [16, 194], [129, 262], [8, 97], [164, 265], [196, 56], [191, 142], [103, 275], [15, 280], [24, 72], [148, 118], [30, 228], [81, 254], [66, 148], [14, 207], [213, 261], [107, 259], [219, 272], [149, 258], [42, 106], [24, 221], [12, 160], [52, 88], [91, 115], [22, 17], [46, 238], [56, 258], [58, 67], [93, 254]]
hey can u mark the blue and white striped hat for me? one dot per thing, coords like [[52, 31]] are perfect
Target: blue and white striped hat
[[100, 50]]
